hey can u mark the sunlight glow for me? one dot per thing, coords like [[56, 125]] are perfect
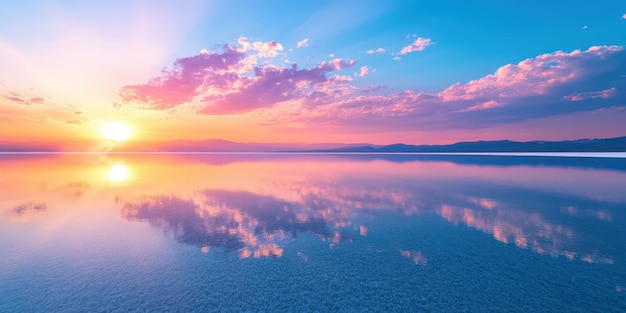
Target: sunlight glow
[[118, 131], [118, 173]]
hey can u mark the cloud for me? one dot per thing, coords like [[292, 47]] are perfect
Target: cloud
[[547, 85], [231, 81], [379, 50], [271, 85], [267, 49], [180, 85], [418, 45], [15, 96], [364, 71], [373, 89], [19, 107], [604, 94], [303, 43]]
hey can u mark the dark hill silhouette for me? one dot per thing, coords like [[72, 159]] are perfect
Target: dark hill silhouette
[[580, 145]]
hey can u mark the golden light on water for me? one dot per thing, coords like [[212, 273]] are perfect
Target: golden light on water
[[118, 131], [118, 173]]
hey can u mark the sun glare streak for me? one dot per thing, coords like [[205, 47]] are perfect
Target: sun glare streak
[[117, 131], [118, 173]]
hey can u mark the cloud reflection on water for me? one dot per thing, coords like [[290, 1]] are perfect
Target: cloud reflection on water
[[254, 225], [255, 207]]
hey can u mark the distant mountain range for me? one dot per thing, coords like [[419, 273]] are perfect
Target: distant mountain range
[[218, 145], [580, 145]]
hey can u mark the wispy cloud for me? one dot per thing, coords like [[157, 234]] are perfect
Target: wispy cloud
[[303, 43], [603, 94], [418, 45], [27, 106], [18, 97], [379, 50]]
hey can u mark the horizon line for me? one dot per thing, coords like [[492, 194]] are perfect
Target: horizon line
[[523, 154]]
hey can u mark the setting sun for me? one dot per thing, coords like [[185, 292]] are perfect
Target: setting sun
[[118, 131]]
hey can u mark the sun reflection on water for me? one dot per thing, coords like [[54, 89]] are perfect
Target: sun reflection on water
[[118, 173]]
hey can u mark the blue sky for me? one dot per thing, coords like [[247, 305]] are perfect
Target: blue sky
[[472, 38]]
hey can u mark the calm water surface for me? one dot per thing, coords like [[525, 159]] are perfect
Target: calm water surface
[[312, 233]]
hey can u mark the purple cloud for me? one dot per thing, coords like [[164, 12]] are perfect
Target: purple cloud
[[182, 83], [232, 81], [547, 85], [607, 93], [272, 85]]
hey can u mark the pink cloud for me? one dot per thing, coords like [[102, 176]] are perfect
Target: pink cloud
[[379, 50], [231, 82], [418, 45], [26, 99], [339, 64], [364, 70], [532, 77], [537, 87], [303, 43], [182, 83]]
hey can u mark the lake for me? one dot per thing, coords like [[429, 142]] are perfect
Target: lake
[[328, 233]]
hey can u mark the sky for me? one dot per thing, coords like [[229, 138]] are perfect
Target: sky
[[380, 72]]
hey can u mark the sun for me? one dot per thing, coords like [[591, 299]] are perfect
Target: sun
[[118, 131]]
